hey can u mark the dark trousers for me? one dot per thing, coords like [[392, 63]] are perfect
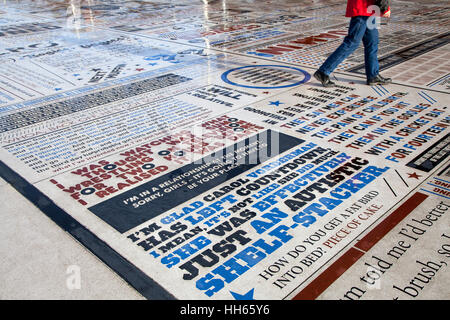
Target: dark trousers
[[358, 30]]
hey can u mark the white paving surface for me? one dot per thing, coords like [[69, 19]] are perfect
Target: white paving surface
[[33, 267]]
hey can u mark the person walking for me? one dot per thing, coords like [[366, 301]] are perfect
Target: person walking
[[360, 29]]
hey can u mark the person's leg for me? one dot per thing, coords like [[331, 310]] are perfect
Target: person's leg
[[370, 41], [351, 42]]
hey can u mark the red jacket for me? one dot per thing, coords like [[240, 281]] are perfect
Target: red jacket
[[359, 8]]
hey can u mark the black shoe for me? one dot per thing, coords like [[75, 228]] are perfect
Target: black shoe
[[378, 80], [324, 79]]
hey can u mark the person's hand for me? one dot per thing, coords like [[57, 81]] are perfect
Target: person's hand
[[387, 14]]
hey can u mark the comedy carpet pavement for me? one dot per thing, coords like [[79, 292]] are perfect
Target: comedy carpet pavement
[[186, 145]]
